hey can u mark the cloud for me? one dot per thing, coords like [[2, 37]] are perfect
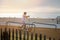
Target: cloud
[[29, 3], [53, 3], [32, 9], [46, 7], [20, 3], [43, 9]]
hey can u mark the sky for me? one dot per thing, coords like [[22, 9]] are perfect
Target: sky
[[34, 8]]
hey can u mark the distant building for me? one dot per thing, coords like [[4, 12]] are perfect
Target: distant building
[[58, 19]]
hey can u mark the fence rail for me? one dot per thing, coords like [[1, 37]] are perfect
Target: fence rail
[[46, 24], [33, 24]]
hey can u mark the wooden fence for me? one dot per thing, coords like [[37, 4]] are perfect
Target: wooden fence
[[15, 34]]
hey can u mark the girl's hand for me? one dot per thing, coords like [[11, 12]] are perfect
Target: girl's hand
[[27, 16]]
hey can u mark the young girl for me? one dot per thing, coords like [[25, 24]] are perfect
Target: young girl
[[24, 18]]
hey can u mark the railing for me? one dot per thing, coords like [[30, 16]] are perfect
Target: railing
[[46, 24], [30, 24], [33, 25], [15, 34]]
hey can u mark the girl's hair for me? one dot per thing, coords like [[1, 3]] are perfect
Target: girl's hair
[[25, 12]]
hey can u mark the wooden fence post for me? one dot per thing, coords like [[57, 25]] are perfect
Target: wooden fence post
[[9, 34], [20, 35], [31, 36], [24, 35], [16, 34], [27, 35], [40, 36], [36, 36], [1, 34], [13, 34], [44, 37]]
